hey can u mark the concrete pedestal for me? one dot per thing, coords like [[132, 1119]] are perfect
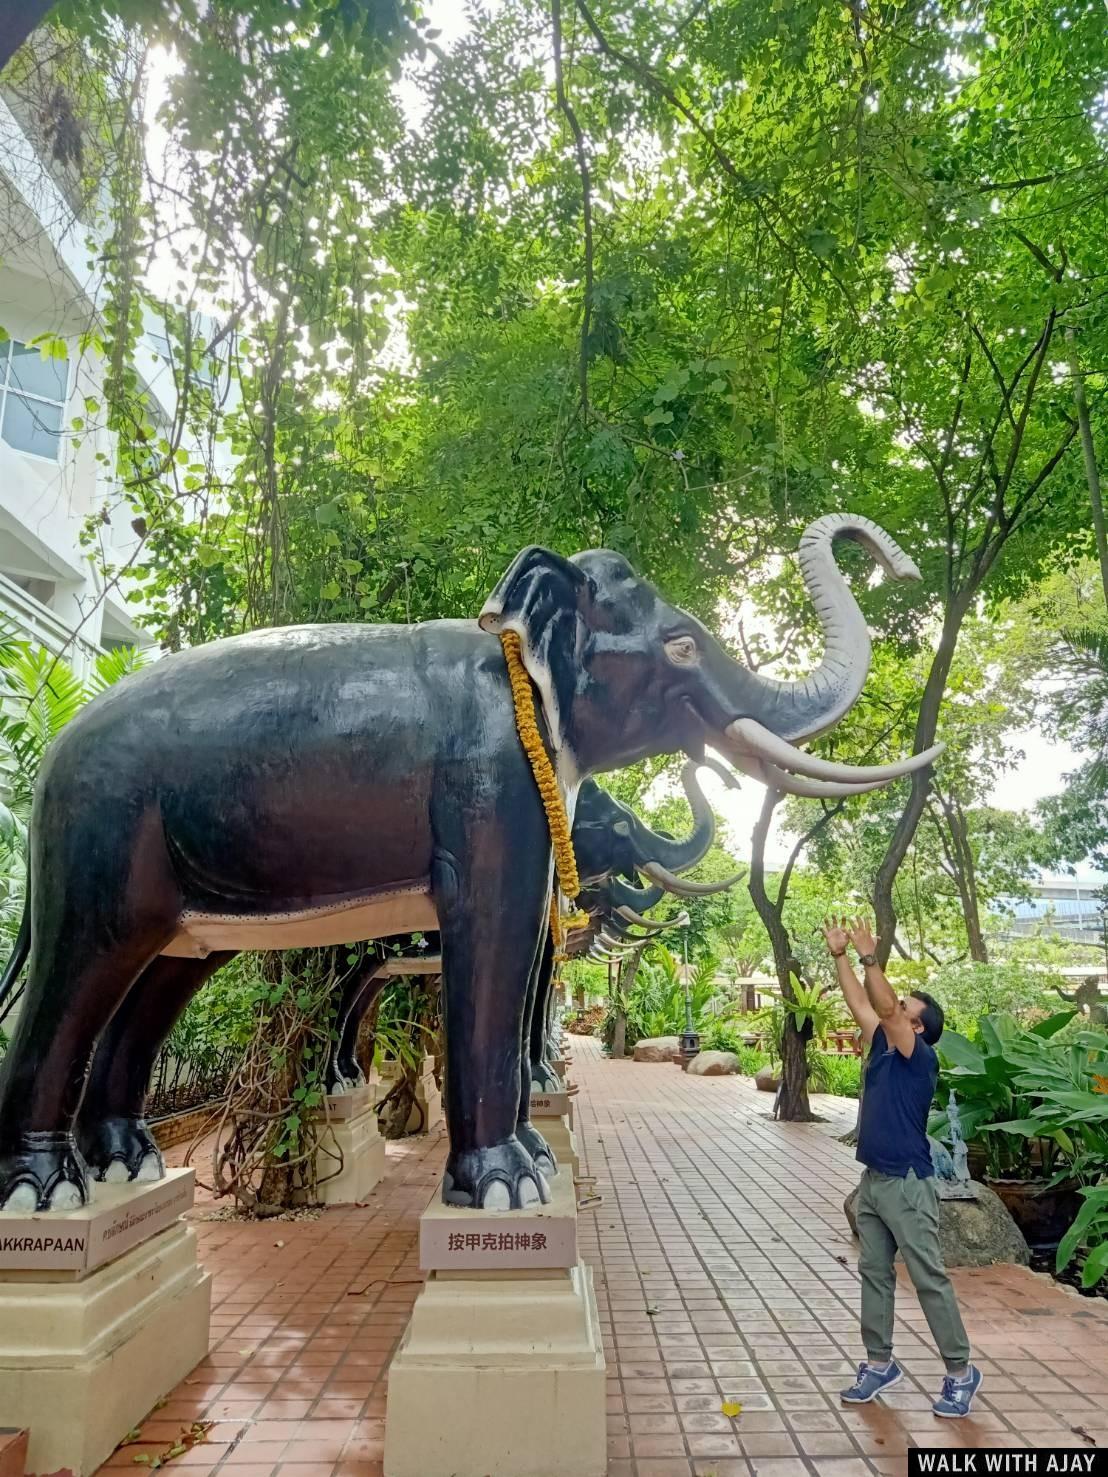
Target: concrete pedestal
[[102, 1312], [427, 1109], [353, 1139], [560, 1136], [501, 1370]]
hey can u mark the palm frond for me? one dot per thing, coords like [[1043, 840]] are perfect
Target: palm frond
[[1089, 645], [112, 666]]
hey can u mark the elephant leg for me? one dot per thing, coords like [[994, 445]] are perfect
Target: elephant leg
[[111, 1131], [532, 1067], [95, 928], [343, 1070], [543, 985], [488, 954]]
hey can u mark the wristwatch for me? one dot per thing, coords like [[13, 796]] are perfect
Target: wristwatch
[[838, 953], [867, 959]]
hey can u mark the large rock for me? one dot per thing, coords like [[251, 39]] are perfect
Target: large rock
[[714, 1064], [972, 1233], [766, 1080], [656, 1049]]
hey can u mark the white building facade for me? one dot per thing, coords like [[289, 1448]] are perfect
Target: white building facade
[[53, 476]]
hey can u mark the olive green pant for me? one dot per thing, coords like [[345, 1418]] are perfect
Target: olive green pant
[[904, 1213]]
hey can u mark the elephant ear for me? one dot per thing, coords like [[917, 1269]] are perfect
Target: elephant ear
[[540, 596]]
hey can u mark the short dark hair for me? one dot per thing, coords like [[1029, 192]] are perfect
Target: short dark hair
[[932, 1016]]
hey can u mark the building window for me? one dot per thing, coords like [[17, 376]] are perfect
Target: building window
[[33, 392]]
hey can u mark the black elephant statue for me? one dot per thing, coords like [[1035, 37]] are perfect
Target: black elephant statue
[[610, 842], [326, 784]]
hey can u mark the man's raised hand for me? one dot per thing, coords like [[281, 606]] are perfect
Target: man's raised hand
[[834, 931], [861, 935]]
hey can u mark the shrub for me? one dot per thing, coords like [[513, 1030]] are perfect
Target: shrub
[[655, 1003], [752, 1060], [840, 1075]]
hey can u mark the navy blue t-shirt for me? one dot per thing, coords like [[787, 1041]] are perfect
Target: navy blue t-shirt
[[892, 1136]]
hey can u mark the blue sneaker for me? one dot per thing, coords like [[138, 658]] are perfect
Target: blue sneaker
[[871, 1382], [957, 1396]]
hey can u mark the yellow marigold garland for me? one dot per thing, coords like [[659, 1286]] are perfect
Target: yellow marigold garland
[[565, 863]]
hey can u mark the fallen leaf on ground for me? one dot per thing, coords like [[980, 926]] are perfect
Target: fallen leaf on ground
[[731, 1408]]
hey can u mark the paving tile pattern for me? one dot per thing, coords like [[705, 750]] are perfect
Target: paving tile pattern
[[724, 1272]]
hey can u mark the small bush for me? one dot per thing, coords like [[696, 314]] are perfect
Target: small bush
[[727, 1036], [840, 1075], [752, 1060]]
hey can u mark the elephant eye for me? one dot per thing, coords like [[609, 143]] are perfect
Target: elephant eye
[[682, 651]]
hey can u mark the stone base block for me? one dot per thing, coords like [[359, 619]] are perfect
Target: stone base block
[[427, 1109], [429, 1098], [559, 1135], [362, 1149], [457, 1238], [546, 1105], [499, 1375], [83, 1359]]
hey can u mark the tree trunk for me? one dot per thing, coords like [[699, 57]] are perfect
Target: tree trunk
[[791, 1103], [1088, 450], [18, 18], [625, 979], [619, 1036], [926, 726], [962, 867]]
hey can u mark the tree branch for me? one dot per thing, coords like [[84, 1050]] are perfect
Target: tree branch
[[567, 109]]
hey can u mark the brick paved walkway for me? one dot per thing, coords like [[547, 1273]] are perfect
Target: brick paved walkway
[[724, 1270]]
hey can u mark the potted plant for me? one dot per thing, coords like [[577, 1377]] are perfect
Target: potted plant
[[1032, 1160], [1066, 1084]]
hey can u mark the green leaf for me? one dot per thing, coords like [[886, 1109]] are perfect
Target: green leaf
[[1093, 1209], [961, 1052], [1053, 1024], [1031, 1128], [1096, 1265], [331, 590]]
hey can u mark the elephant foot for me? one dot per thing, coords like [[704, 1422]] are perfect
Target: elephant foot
[[539, 1150], [501, 1177], [119, 1150], [544, 1077], [345, 1079], [46, 1172], [353, 1075]]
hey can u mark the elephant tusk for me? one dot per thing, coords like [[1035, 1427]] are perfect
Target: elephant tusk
[[657, 873], [792, 784], [752, 738], [719, 770], [652, 924]]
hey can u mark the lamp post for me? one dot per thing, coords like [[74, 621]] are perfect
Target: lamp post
[[690, 1040]]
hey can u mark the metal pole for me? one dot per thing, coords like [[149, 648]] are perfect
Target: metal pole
[[690, 1040]]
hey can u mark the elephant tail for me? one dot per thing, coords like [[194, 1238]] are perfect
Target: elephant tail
[[18, 957]]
